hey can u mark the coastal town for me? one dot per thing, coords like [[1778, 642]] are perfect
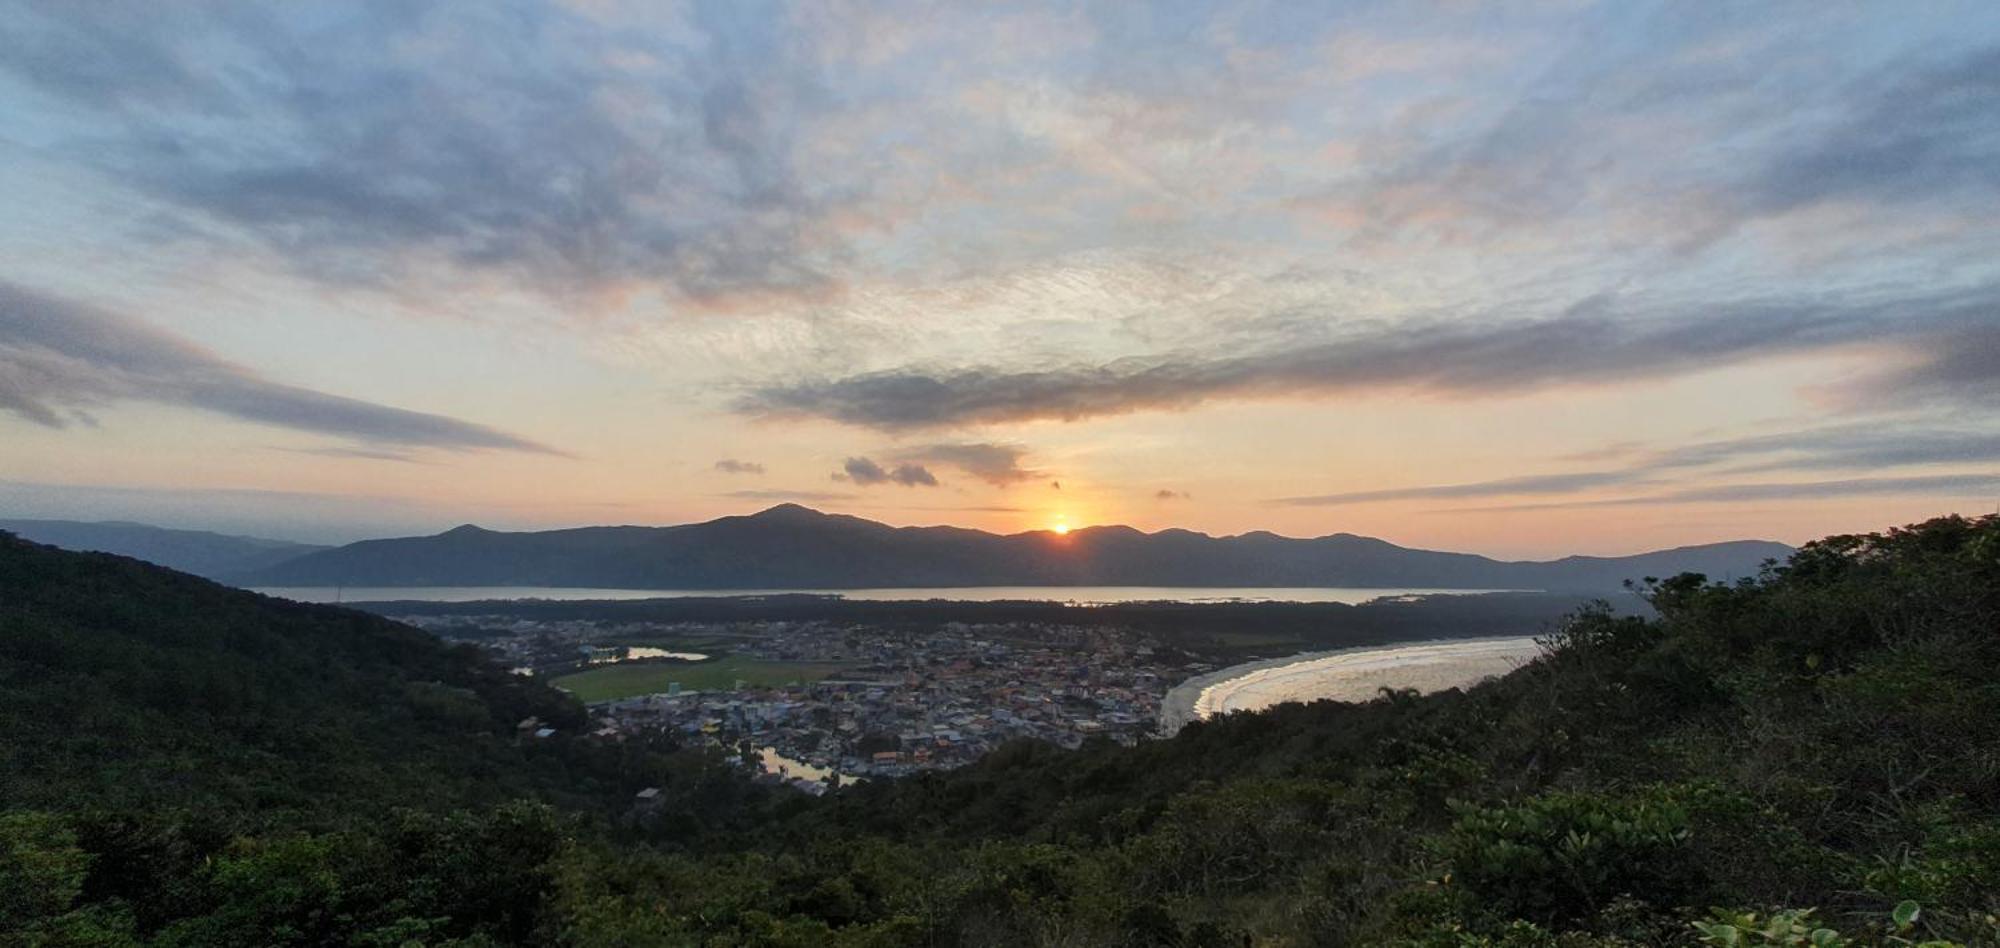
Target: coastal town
[[874, 701]]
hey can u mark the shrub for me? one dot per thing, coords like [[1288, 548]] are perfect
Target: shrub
[[1561, 856]]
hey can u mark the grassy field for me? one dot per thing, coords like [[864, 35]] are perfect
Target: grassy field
[[625, 680]]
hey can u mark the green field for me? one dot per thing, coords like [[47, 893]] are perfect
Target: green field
[[625, 680]]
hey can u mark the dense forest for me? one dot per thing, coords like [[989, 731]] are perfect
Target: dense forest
[[1811, 757]]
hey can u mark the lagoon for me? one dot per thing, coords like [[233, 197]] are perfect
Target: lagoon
[[1073, 595]]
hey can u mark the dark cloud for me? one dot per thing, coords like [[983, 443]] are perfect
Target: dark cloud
[[527, 143], [1846, 447], [1921, 128], [97, 57], [733, 466], [1960, 367], [1595, 342], [1861, 446], [868, 473], [1931, 131], [57, 357], [996, 464], [1945, 485], [801, 496]]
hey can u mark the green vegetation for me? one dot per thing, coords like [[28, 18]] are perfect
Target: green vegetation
[[186, 764], [1811, 758], [625, 679]]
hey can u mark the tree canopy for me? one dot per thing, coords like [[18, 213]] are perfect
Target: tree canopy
[[1809, 757]]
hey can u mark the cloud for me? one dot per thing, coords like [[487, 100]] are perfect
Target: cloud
[[1579, 145], [1955, 486], [729, 150], [1596, 341], [1871, 445], [867, 473], [1918, 133], [382, 147], [361, 454], [58, 357], [294, 515], [802, 496], [961, 509], [1844, 447], [1961, 367], [1164, 494], [996, 464], [732, 466], [1535, 484], [933, 221], [1947, 485]]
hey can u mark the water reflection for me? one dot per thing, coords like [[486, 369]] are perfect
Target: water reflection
[[610, 654], [1073, 595], [791, 769]]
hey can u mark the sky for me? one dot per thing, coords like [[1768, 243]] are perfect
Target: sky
[[1523, 279]]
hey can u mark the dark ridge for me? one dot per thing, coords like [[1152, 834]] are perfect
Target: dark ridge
[[791, 546]]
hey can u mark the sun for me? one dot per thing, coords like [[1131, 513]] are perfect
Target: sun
[[1061, 528]]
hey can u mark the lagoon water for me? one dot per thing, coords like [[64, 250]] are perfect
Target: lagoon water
[[633, 653], [1073, 595], [773, 762]]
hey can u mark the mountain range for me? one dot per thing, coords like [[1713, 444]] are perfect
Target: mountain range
[[200, 552], [794, 547]]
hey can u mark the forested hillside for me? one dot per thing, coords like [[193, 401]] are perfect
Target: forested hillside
[[1812, 758], [167, 741]]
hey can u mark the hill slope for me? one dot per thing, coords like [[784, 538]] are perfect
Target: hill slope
[[127, 684], [794, 547], [168, 740], [191, 551], [1816, 752]]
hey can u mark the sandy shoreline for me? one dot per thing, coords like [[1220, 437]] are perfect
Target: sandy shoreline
[[1348, 674]]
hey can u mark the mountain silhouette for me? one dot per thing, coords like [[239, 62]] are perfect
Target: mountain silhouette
[[191, 551], [795, 547]]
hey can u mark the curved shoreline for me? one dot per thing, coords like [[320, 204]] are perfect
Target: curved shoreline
[[1185, 701]]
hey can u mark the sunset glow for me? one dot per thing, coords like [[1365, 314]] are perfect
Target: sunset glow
[[938, 472], [1311, 268]]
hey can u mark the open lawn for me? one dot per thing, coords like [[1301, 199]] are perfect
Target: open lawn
[[643, 678]]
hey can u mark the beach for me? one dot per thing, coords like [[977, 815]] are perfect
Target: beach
[[1352, 674]]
